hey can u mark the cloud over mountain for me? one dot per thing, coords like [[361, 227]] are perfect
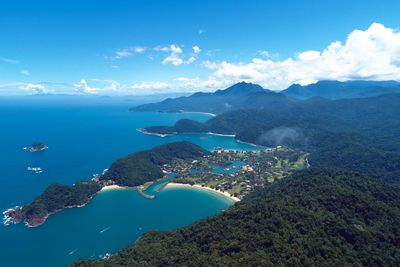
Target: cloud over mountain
[[370, 54]]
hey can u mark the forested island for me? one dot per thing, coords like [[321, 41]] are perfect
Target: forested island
[[316, 217], [132, 170]]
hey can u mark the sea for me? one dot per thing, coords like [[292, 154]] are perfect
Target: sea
[[85, 135]]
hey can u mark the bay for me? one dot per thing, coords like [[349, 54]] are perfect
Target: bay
[[85, 135]]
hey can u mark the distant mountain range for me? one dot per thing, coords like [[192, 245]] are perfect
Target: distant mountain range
[[318, 216], [337, 90], [252, 96], [239, 96]]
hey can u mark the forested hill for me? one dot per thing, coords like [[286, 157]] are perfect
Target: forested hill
[[239, 96], [359, 134], [144, 166], [318, 217], [252, 96], [338, 90]]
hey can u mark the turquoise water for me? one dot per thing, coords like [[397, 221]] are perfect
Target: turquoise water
[[232, 168], [84, 137]]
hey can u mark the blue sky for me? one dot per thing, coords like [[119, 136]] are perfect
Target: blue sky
[[145, 47]]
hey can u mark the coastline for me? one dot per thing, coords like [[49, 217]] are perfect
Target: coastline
[[113, 187], [198, 112], [199, 187], [246, 143], [8, 218], [144, 131], [217, 134]]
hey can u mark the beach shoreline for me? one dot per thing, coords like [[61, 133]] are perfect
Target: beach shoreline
[[113, 187], [197, 112], [199, 187], [218, 134], [144, 131]]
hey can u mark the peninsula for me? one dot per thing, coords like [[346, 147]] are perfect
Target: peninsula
[[317, 216], [55, 198], [133, 170]]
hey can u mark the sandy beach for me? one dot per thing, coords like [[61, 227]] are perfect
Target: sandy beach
[[196, 186], [247, 143], [196, 112], [112, 187], [217, 134], [144, 131]]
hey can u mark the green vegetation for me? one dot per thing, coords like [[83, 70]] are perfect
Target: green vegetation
[[239, 96], [55, 198], [182, 126], [252, 96], [316, 217], [321, 216], [141, 167], [136, 169], [337, 90], [358, 134], [254, 169]]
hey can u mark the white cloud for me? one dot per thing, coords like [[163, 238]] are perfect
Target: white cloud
[[201, 31], [149, 85], [186, 84], [370, 54], [174, 56], [196, 49], [309, 55], [191, 60], [83, 87], [9, 60], [126, 52], [25, 72], [111, 87], [161, 48], [34, 88]]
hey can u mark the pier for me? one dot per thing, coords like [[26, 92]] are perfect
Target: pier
[[143, 194]]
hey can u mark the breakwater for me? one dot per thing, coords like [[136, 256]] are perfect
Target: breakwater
[[143, 194]]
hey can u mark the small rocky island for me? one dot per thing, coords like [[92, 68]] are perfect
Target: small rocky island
[[36, 147], [131, 171]]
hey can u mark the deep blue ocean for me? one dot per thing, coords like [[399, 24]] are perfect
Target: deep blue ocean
[[84, 136]]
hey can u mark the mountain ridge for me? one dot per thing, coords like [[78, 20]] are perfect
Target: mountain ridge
[[360, 134], [253, 96], [332, 89], [238, 96]]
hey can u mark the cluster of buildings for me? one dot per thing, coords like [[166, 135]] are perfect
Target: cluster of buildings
[[257, 169]]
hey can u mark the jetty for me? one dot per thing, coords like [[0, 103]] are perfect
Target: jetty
[[161, 188], [143, 194]]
